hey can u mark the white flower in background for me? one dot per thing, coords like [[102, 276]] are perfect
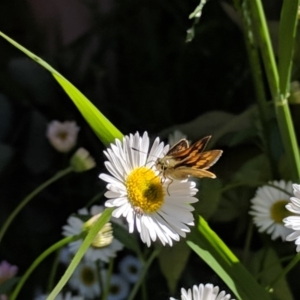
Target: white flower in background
[[293, 221], [104, 246], [65, 256], [85, 280], [175, 137], [268, 208], [118, 289], [204, 292], [130, 268], [7, 271], [67, 296], [62, 136], [82, 161], [157, 208]]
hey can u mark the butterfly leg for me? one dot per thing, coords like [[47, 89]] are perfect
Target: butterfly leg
[[169, 185]]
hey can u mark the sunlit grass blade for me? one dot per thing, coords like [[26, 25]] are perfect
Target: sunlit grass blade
[[104, 218], [103, 128], [218, 256]]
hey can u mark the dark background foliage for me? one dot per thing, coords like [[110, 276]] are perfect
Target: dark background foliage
[[131, 60]]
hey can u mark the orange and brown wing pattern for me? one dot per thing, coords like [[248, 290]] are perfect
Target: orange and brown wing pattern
[[191, 151], [182, 145]]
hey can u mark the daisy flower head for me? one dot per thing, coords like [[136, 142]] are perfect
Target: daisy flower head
[[118, 288], [62, 135], [293, 221], [104, 245], [85, 280], [130, 268], [268, 208], [159, 208], [204, 292]]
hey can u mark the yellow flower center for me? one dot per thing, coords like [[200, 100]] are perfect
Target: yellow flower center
[[145, 190], [88, 276], [278, 211]]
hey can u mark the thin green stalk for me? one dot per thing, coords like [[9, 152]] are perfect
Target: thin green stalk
[[288, 268], [38, 260], [247, 243], [257, 76], [53, 271], [26, 200], [277, 83], [108, 277], [145, 269], [104, 218]]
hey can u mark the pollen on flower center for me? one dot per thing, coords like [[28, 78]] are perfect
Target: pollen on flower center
[[145, 190], [279, 212]]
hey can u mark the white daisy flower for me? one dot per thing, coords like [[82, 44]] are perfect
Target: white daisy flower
[[119, 288], [104, 246], [268, 208], [293, 221], [204, 292], [85, 280], [62, 135], [130, 268], [157, 206], [67, 296], [175, 137]]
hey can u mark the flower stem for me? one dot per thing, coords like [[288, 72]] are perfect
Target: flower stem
[[38, 260], [104, 218], [143, 273], [26, 200], [292, 264], [279, 82], [108, 277]]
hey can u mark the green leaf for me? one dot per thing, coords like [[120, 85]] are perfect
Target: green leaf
[[266, 266], [127, 239], [103, 128], [218, 256], [179, 253], [209, 196], [104, 218], [287, 34]]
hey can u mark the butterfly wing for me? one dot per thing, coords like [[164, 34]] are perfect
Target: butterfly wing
[[182, 145], [185, 153], [182, 173]]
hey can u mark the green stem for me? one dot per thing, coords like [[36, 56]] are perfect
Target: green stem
[[143, 273], [108, 277], [257, 76], [278, 85], [53, 271], [23, 203], [247, 243], [104, 218], [292, 264], [38, 260]]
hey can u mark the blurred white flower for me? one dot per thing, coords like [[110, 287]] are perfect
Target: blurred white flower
[[85, 280], [268, 209], [82, 161], [156, 208], [293, 221], [119, 288], [62, 135], [104, 246], [204, 292], [130, 268]]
